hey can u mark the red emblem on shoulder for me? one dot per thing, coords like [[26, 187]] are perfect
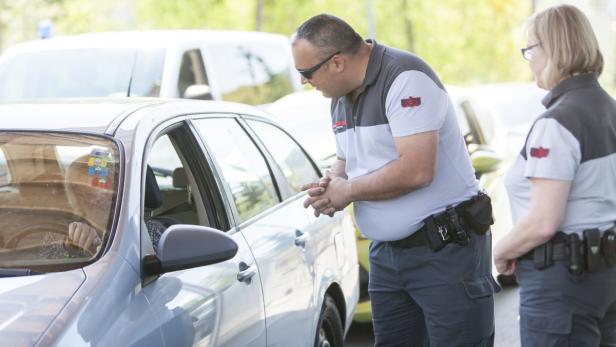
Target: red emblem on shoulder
[[340, 123], [539, 152], [411, 102]]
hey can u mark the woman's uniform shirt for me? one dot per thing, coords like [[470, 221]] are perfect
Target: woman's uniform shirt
[[574, 140]]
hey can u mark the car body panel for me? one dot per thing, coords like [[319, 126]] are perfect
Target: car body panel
[[30, 304], [287, 270], [112, 301]]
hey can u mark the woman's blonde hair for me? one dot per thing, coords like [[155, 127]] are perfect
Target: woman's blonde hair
[[570, 45]]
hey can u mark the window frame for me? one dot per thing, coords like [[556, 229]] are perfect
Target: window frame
[[202, 170], [195, 56], [275, 173], [288, 191]]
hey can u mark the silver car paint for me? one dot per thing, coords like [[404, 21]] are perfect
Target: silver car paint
[[29, 304], [152, 313]]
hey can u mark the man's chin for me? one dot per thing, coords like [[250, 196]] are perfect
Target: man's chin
[[325, 94]]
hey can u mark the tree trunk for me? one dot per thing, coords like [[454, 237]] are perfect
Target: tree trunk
[[259, 15], [408, 26]]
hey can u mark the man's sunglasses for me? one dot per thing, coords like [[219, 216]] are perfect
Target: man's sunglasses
[[307, 73]]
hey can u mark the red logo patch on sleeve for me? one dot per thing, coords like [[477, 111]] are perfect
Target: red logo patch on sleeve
[[539, 152], [411, 101], [340, 123]]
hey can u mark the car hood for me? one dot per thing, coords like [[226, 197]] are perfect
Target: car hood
[[29, 304]]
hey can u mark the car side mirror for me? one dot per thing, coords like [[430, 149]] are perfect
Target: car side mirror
[[198, 91], [184, 246], [485, 160]]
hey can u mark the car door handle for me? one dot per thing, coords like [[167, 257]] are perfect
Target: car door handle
[[300, 238], [246, 272]]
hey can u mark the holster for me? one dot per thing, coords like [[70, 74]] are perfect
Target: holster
[[609, 247], [574, 256], [477, 213], [542, 256], [592, 251]]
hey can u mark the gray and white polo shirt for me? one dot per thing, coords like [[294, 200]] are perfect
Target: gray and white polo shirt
[[574, 140], [401, 96]]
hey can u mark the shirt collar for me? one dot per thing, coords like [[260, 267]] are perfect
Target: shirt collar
[[374, 64], [587, 80]]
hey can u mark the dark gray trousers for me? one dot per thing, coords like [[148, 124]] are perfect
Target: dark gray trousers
[[425, 298], [557, 311]]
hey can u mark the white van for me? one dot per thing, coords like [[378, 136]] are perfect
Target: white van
[[247, 67]]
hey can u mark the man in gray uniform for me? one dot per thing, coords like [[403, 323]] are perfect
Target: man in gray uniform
[[402, 160]]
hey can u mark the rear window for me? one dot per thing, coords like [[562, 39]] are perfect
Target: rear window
[[52, 183], [88, 72]]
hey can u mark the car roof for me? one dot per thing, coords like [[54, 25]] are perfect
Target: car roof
[[103, 115], [146, 39]]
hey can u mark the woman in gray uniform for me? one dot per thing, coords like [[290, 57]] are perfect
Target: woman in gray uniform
[[562, 190]]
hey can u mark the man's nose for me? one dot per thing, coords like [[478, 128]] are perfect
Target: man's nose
[[303, 79]]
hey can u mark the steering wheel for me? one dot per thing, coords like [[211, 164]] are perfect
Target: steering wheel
[[40, 229]]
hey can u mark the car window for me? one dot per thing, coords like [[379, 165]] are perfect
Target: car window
[[164, 160], [293, 162], [5, 174], [253, 72], [192, 71], [465, 129], [243, 166], [56, 180], [172, 194], [80, 73]]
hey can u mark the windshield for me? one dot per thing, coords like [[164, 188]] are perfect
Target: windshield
[[91, 72], [52, 185]]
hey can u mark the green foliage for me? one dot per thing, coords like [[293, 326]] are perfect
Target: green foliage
[[466, 41]]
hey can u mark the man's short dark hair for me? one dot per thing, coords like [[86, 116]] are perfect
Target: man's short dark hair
[[330, 34]]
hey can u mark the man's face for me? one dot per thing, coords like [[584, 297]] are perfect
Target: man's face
[[314, 67]]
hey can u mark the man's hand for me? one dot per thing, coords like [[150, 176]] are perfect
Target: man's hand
[[84, 236], [330, 199], [505, 266], [320, 195]]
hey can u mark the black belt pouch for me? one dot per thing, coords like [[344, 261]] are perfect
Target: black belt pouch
[[592, 242], [435, 239], [609, 247], [477, 213]]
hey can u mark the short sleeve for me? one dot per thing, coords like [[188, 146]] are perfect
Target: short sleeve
[[552, 151], [415, 104]]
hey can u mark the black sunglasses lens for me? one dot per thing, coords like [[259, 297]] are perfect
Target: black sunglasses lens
[[306, 74]]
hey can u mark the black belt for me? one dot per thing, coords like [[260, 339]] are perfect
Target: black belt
[[592, 252], [416, 239], [420, 237], [452, 225], [559, 252]]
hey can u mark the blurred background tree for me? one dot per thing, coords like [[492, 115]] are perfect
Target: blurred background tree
[[466, 41]]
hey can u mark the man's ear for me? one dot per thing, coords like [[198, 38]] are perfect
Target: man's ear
[[338, 63]]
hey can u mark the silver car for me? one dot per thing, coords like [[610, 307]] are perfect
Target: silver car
[[148, 222]]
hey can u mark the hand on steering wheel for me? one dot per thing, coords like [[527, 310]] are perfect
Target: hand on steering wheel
[[83, 236]]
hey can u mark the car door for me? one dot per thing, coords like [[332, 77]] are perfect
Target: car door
[[274, 230], [334, 248], [214, 305]]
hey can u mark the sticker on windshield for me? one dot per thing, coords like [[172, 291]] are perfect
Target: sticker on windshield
[[97, 168]]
